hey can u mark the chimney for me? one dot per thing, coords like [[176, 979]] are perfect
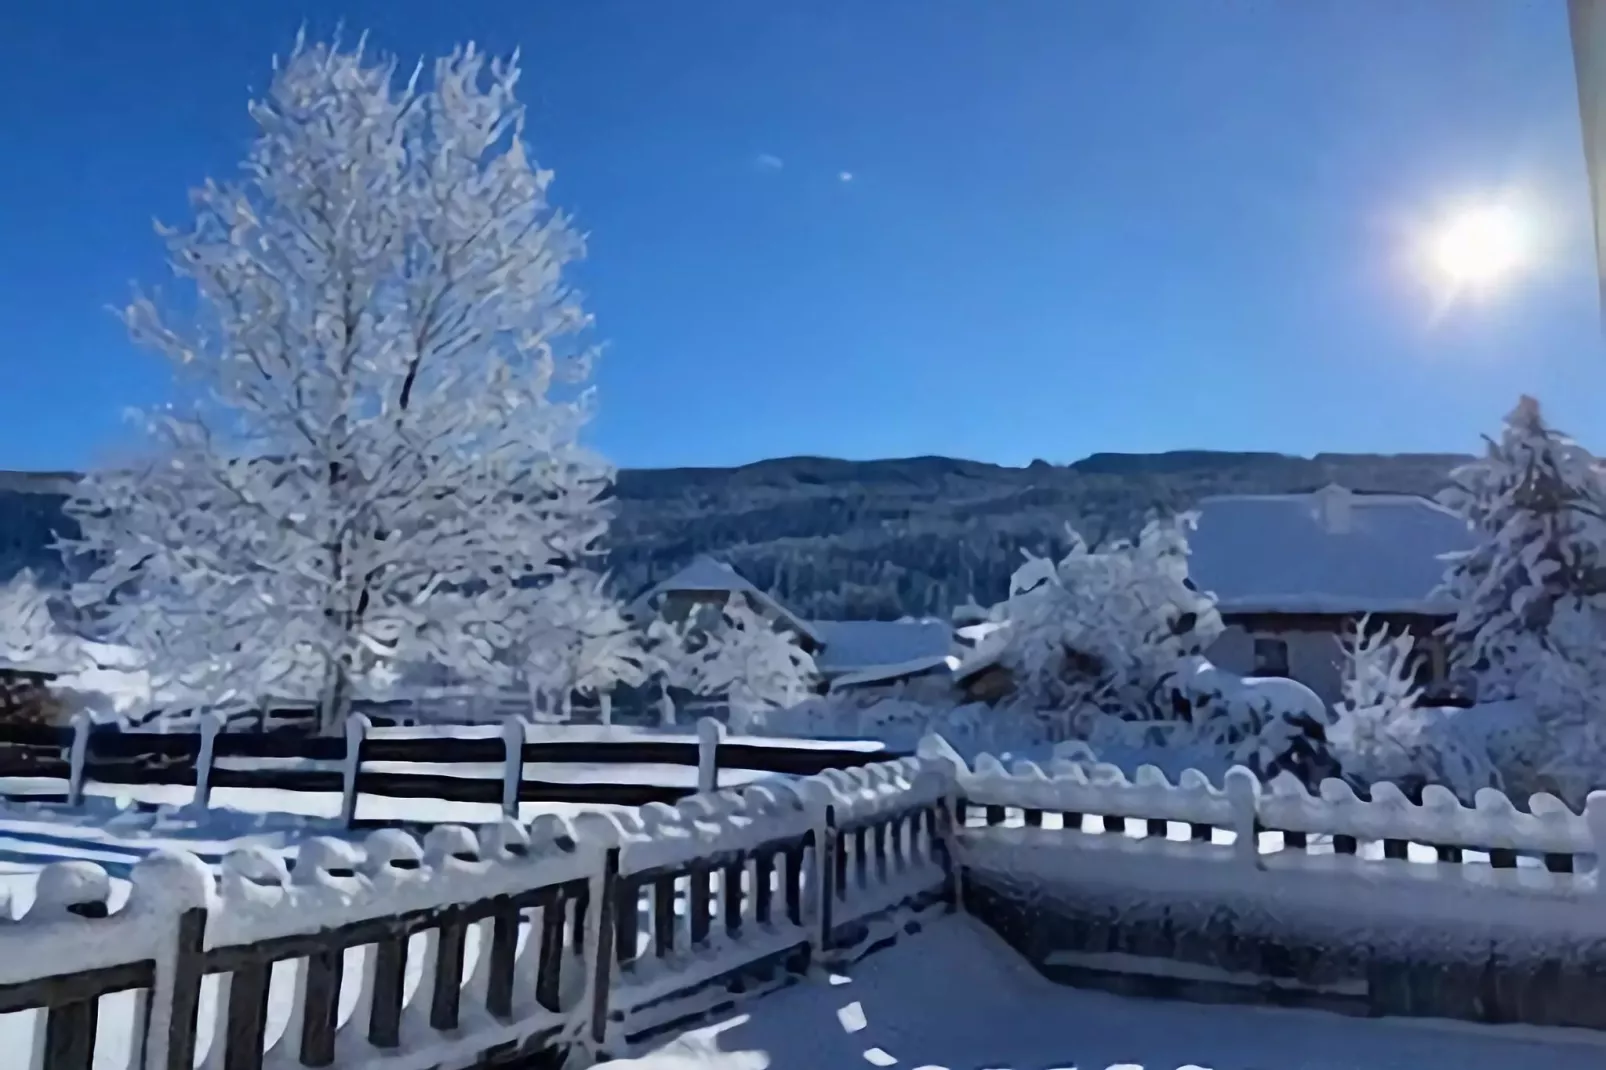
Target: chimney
[[1334, 505]]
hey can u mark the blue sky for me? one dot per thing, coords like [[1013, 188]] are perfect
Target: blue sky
[[1070, 227]]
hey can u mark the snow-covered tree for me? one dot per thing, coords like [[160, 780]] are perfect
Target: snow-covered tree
[[744, 658], [378, 461], [579, 641], [1537, 503], [1106, 626]]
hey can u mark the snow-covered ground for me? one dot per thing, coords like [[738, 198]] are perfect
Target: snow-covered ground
[[956, 998]]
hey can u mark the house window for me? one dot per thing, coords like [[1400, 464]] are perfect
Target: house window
[[1271, 657]]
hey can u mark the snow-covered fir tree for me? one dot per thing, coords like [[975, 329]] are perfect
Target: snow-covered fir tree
[[377, 460], [1536, 503], [1104, 627]]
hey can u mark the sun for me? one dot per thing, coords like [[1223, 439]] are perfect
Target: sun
[[1479, 247]]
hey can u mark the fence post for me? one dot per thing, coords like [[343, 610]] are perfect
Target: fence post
[[203, 763], [1243, 794], [78, 758], [824, 881], [513, 767], [1595, 820], [176, 889], [709, 733], [600, 928], [356, 732]]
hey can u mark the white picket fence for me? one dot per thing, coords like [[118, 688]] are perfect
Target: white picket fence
[[566, 935], [1547, 848]]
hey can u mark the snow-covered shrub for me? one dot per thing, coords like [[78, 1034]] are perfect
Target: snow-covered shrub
[[375, 466], [1103, 627]]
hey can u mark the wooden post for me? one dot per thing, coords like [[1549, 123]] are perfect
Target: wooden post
[[945, 836], [824, 881], [1243, 792], [1595, 821], [202, 799], [709, 733], [600, 930], [78, 759], [356, 732], [513, 769]]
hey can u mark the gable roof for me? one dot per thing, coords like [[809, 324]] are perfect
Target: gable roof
[[1331, 551], [857, 646], [705, 575]]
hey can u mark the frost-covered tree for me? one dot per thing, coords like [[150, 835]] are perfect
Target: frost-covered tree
[[378, 458], [579, 641], [1382, 733], [1104, 626], [744, 658], [29, 634], [1537, 505]]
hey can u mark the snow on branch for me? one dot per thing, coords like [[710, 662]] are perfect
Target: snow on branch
[[1103, 626], [380, 461]]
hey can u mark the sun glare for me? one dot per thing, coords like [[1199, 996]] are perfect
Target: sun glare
[[1479, 247]]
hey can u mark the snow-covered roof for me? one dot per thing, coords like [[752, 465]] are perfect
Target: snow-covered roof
[[707, 576], [882, 674], [852, 646], [1330, 551]]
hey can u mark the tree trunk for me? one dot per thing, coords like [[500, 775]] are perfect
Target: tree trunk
[[335, 702], [666, 708], [605, 706]]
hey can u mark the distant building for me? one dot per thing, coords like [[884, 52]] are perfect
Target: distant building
[[848, 653], [1292, 572]]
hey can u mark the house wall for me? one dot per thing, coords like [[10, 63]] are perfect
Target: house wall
[[1315, 646], [1314, 658]]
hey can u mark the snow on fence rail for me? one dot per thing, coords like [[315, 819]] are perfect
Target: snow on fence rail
[[472, 764], [1282, 825], [585, 933]]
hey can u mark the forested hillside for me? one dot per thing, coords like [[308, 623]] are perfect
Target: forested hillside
[[860, 539]]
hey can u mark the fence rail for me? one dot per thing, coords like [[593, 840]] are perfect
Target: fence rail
[[474, 764], [587, 932], [1282, 825]]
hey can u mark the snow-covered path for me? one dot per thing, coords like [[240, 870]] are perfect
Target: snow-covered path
[[956, 998]]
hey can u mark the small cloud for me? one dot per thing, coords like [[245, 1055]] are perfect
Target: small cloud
[[844, 176], [765, 161]]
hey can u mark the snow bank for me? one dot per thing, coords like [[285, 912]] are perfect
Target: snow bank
[[957, 996]]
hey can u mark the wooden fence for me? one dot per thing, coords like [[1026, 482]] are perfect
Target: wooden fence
[[588, 934], [1271, 893], [474, 764]]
